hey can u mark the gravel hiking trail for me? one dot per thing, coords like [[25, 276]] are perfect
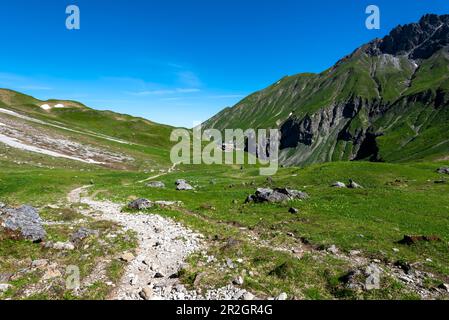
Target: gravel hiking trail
[[163, 248]]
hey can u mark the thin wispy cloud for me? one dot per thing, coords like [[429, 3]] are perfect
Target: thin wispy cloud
[[20, 82], [34, 87], [203, 97], [165, 91], [227, 96]]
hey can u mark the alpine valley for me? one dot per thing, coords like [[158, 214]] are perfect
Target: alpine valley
[[92, 207]]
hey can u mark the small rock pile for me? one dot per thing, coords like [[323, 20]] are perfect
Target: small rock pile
[[363, 278]]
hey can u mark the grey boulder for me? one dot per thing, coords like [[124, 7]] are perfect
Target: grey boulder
[[443, 170], [25, 220], [140, 204], [338, 184], [353, 185], [182, 185], [276, 195]]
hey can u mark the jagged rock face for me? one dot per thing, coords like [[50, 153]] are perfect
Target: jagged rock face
[[295, 131], [418, 40], [328, 127]]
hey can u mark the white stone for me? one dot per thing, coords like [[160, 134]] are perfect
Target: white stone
[[4, 287], [238, 281], [63, 246], [282, 296]]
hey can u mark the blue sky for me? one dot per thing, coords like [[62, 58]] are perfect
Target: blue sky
[[176, 61]]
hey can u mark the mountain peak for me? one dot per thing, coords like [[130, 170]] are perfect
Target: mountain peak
[[417, 40]]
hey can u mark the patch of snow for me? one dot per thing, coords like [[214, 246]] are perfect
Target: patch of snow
[[19, 145], [59, 106], [96, 135], [45, 107]]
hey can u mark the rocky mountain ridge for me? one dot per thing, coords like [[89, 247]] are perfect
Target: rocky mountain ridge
[[387, 101]]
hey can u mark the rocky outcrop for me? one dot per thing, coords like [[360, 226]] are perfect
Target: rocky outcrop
[[316, 137], [276, 195], [25, 221], [417, 40]]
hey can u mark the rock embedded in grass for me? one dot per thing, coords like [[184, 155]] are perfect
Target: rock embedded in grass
[[24, 220], [140, 204], [4, 287], [293, 210], [372, 272], [354, 185], [61, 246], [155, 184], [39, 264], [351, 280], [282, 296], [276, 195], [183, 185], [82, 234], [333, 249], [338, 184], [443, 170], [230, 264], [238, 281], [404, 266]]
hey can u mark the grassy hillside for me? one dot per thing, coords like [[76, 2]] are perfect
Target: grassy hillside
[[145, 141]]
